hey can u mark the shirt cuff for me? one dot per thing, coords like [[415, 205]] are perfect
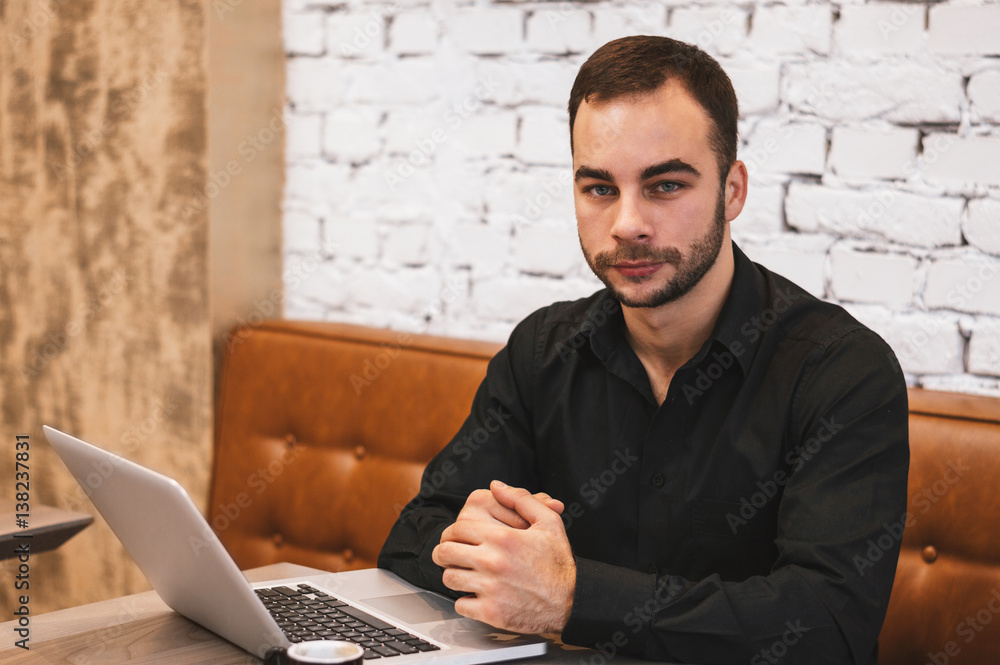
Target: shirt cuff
[[609, 604]]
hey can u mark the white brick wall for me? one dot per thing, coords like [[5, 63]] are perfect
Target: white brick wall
[[428, 185]]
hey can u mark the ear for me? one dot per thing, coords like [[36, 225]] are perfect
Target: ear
[[736, 189]]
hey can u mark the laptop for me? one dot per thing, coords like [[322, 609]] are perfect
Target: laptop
[[183, 559]]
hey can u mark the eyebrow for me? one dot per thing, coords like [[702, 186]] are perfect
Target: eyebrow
[[669, 166]]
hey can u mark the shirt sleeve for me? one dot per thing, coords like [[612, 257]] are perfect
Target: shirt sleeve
[[840, 526], [494, 442]]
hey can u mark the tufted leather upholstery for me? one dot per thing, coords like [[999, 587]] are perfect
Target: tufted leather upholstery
[[311, 468], [949, 568]]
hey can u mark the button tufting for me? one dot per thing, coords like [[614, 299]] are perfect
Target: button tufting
[[348, 555], [360, 451], [290, 440], [929, 553], [278, 540]]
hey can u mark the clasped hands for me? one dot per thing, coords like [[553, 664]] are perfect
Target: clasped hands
[[509, 552]]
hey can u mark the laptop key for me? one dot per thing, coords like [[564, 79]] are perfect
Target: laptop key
[[400, 647], [427, 646], [366, 618], [371, 655], [385, 651]]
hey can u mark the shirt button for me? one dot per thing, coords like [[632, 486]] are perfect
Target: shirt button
[[658, 481], [652, 569]]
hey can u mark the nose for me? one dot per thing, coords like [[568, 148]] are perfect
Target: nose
[[630, 225]]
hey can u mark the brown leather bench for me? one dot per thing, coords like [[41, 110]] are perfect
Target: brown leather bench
[[323, 430]]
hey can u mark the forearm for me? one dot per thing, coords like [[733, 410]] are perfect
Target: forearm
[[662, 617]]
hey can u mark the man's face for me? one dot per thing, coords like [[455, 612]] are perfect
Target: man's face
[[650, 209]]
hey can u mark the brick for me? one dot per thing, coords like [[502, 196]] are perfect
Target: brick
[[756, 86], [886, 153], [886, 213], [523, 199], [982, 225], [353, 235], [547, 250], [406, 244], [544, 137], [310, 184], [782, 29], [563, 30], [405, 128], [800, 258], [779, 147], [407, 290], [355, 35], [481, 247], [513, 298], [762, 213], [718, 30], [400, 190], [964, 283], [629, 19], [303, 135], [546, 82], [984, 93], [313, 84], [312, 288], [413, 33], [879, 29], [351, 134], [405, 81], [924, 343], [962, 383], [487, 134], [872, 276], [487, 31], [304, 34], [300, 232], [984, 348], [899, 91], [961, 161], [964, 30]]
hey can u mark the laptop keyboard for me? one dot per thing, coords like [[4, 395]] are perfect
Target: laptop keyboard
[[306, 613]]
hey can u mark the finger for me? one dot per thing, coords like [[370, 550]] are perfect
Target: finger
[[460, 579], [453, 555], [469, 532], [553, 504], [523, 502], [482, 505]]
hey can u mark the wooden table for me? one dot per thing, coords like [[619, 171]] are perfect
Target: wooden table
[[48, 528], [141, 629]]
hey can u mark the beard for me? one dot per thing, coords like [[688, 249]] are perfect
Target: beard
[[689, 270]]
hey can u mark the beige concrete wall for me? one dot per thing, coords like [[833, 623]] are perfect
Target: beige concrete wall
[[106, 315]]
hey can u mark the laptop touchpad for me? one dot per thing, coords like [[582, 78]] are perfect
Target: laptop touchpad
[[416, 607]]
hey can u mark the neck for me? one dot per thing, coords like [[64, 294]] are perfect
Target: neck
[[668, 336]]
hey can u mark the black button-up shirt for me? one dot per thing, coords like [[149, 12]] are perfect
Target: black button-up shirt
[[754, 516]]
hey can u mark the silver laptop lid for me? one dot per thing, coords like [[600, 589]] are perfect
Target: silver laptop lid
[[178, 552]]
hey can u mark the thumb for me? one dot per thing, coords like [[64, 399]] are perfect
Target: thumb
[[523, 503]]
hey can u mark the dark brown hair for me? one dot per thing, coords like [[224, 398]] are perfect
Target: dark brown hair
[[639, 65]]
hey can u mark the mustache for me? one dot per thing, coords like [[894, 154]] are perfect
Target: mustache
[[634, 253]]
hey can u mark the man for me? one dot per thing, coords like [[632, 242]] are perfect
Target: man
[[692, 464]]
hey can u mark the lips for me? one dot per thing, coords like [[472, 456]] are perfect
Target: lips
[[637, 269]]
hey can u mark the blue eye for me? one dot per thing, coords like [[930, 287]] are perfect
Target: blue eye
[[600, 190], [667, 186]]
